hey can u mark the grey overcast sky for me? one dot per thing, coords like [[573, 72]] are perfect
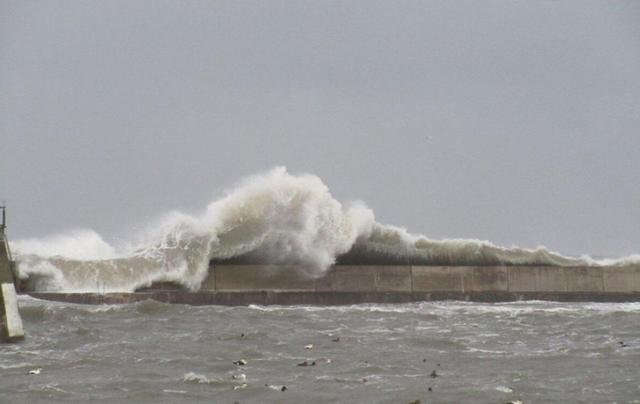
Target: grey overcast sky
[[515, 122]]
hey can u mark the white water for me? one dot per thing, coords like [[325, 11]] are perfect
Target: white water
[[274, 217]]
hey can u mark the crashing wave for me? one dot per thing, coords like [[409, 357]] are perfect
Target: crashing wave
[[274, 218]]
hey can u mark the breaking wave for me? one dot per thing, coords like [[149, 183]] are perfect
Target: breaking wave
[[274, 218]]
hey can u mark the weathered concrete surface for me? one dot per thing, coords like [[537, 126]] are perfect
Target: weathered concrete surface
[[351, 284], [587, 279], [366, 278], [557, 279], [11, 322], [460, 279], [339, 278], [436, 279], [348, 279], [257, 277], [537, 279], [483, 279], [396, 278], [621, 279], [6, 264]]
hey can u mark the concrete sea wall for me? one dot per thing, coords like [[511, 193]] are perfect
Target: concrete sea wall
[[358, 278], [351, 284]]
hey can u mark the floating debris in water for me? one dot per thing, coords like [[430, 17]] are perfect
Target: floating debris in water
[[308, 347], [240, 362], [434, 374], [277, 388], [240, 386], [35, 371], [241, 376], [337, 339], [306, 363]]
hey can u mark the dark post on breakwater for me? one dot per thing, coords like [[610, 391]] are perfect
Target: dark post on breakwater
[[10, 320]]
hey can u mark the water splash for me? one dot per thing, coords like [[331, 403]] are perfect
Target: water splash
[[275, 218]]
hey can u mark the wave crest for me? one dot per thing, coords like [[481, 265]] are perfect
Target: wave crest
[[274, 218]]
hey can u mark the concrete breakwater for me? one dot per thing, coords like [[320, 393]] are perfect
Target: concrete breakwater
[[351, 284], [10, 320]]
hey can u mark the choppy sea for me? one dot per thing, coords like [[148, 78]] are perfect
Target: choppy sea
[[435, 352]]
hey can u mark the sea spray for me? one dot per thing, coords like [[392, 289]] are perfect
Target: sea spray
[[274, 218]]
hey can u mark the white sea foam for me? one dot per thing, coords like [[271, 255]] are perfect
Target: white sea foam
[[193, 377], [79, 244], [275, 218]]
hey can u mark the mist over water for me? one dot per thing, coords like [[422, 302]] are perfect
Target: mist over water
[[275, 218]]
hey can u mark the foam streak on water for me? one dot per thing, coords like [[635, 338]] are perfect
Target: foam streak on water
[[482, 353], [275, 218]]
